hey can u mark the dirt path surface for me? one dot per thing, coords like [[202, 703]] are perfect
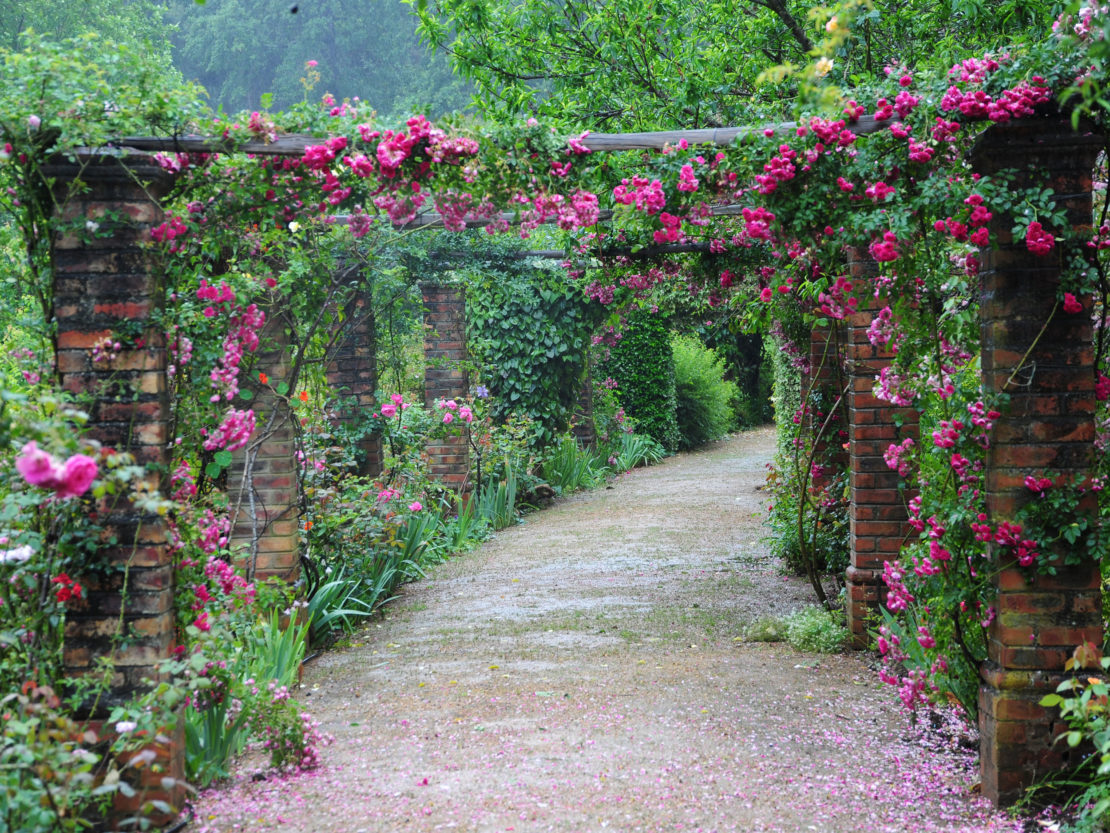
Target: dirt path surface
[[584, 671]]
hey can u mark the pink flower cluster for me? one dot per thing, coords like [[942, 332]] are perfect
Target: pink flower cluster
[[897, 456], [69, 479], [242, 337], [450, 407], [1037, 240], [886, 249], [645, 195], [169, 231], [233, 432], [779, 169], [389, 409], [974, 102], [838, 303], [883, 331]]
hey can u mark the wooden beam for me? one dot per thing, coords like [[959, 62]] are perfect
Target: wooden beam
[[294, 145]]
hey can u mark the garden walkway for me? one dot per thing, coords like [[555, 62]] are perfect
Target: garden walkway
[[585, 671]]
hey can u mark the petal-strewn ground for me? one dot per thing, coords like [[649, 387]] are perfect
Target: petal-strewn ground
[[584, 672]]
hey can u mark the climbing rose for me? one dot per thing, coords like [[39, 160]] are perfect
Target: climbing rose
[[1039, 241], [1071, 304]]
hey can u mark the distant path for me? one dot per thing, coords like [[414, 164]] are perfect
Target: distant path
[[582, 672]]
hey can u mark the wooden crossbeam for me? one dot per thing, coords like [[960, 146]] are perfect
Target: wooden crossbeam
[[294, 145]]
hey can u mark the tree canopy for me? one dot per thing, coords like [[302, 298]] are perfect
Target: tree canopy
[[647, 64]]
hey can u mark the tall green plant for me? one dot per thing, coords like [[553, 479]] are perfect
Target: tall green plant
[[704, 398], [642, 364]]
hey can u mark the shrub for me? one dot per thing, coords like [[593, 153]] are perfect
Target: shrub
[[816, 630], [643, 366], [703, 398]]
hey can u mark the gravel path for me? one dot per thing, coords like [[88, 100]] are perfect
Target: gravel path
[[585, 671]]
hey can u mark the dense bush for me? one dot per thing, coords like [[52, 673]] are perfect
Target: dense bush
[[642, 365], [703, 397]]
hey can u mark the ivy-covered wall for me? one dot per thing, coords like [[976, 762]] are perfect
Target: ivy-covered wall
[[529, 333]]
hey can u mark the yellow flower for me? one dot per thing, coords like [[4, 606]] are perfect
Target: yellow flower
[[823, 67]]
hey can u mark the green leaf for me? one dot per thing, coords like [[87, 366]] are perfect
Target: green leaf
[[213, 470], [224, 458], [1051, 700], [282, 388], [1074, 738]]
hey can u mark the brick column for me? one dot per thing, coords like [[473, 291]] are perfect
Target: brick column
[[262, 481], [877, 512], [101, 286], [353, 375], [1049, 425], [445, 375]]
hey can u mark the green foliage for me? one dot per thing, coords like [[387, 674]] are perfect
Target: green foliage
[[816, 630], [496, 502], [1083, 702], [665, 64], [703, 397], [633, 450], [529, 330], [57, 775], [334, 607], [568, 467], [633, 64], [137, 23], [643, 367]]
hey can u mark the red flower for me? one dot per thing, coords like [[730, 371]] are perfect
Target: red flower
[[67, 588], [263, 378], [304, 396]]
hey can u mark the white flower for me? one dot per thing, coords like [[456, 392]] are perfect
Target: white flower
[[294, 226], [16, 556], [92, 226], [824, 66], [125, 726]]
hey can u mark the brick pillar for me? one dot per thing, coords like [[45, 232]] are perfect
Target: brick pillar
[[262, 481], [1049, 425], [101, 286], [877, 512], [445, 375], [353, 375]]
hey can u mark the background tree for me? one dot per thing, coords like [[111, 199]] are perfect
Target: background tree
[[136, 22], [666, 64]]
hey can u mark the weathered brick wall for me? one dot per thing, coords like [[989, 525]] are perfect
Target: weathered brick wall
[[353, 378], [100, 284], [445, 375], [877, 511], [1049, 425]]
